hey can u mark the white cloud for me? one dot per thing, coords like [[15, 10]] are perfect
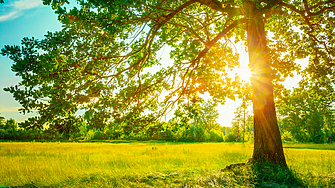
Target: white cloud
[[16, 8], [9, 16], [26, 4]]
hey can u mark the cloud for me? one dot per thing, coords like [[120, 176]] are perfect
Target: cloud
[[16, 9], [27, 4], [9, 16], [8, 109]]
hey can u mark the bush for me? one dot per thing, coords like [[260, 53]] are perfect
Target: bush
[[287, 136], [199, 134], [230, 138], [318, 137], [99, 135], [215, 136]]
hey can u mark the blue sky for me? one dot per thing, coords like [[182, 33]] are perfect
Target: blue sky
[[30, 18], [18, 19]]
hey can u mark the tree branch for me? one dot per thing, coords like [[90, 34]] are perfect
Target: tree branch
[[306, 18], [218, 37]]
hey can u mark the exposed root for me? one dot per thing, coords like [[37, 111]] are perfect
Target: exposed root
[[232, 166], [229, 167]]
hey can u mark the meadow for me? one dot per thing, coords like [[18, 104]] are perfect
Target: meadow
[[153, 164]]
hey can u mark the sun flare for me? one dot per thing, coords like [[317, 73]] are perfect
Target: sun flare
[[244, 73]]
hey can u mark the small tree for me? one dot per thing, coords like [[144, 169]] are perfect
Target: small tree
[[2, 122], [11, 125], [241, 120]]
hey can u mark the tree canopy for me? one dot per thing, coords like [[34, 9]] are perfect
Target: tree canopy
[[106, 59], [307, 113]]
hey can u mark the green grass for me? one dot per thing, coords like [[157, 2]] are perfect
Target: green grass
[[150, 164]]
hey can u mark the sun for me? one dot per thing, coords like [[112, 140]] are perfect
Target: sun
[[244, 73], [242, 70]]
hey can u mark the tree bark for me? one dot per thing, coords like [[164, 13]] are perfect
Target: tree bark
[[267, 140], [243, 123]]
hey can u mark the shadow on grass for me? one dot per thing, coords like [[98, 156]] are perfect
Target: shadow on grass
[[270, 175], [263, 175], [240, 176], [297, 145], [30, 185], [330, 147]]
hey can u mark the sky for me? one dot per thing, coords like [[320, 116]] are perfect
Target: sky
[[18, 19], [30, 18]]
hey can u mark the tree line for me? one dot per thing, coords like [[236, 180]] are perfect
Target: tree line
[[305, 114], [191, 122]]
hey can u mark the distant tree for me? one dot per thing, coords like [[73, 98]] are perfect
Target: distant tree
[[10, 124], [236, 130], [225, 130], [100, 59], [2, 126], [208, 115], [199, 112], [2, 121], [242, 120], [307, 112]]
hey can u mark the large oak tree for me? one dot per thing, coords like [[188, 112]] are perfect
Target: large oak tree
[[102, 61]]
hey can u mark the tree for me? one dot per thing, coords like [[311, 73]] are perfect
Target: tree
[[208, 115], [99, 62], [199, 113], [241, 121], [2, 122], [202, 113], [11, 124], [307, 112]]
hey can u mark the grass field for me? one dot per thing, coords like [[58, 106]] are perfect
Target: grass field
[[140, 164]]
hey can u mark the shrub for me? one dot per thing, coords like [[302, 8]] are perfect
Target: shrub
[[230, 138], [215, 136], [287, 136]]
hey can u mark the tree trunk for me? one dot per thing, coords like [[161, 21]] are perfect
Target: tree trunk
[[243, 123], [267, 140]]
